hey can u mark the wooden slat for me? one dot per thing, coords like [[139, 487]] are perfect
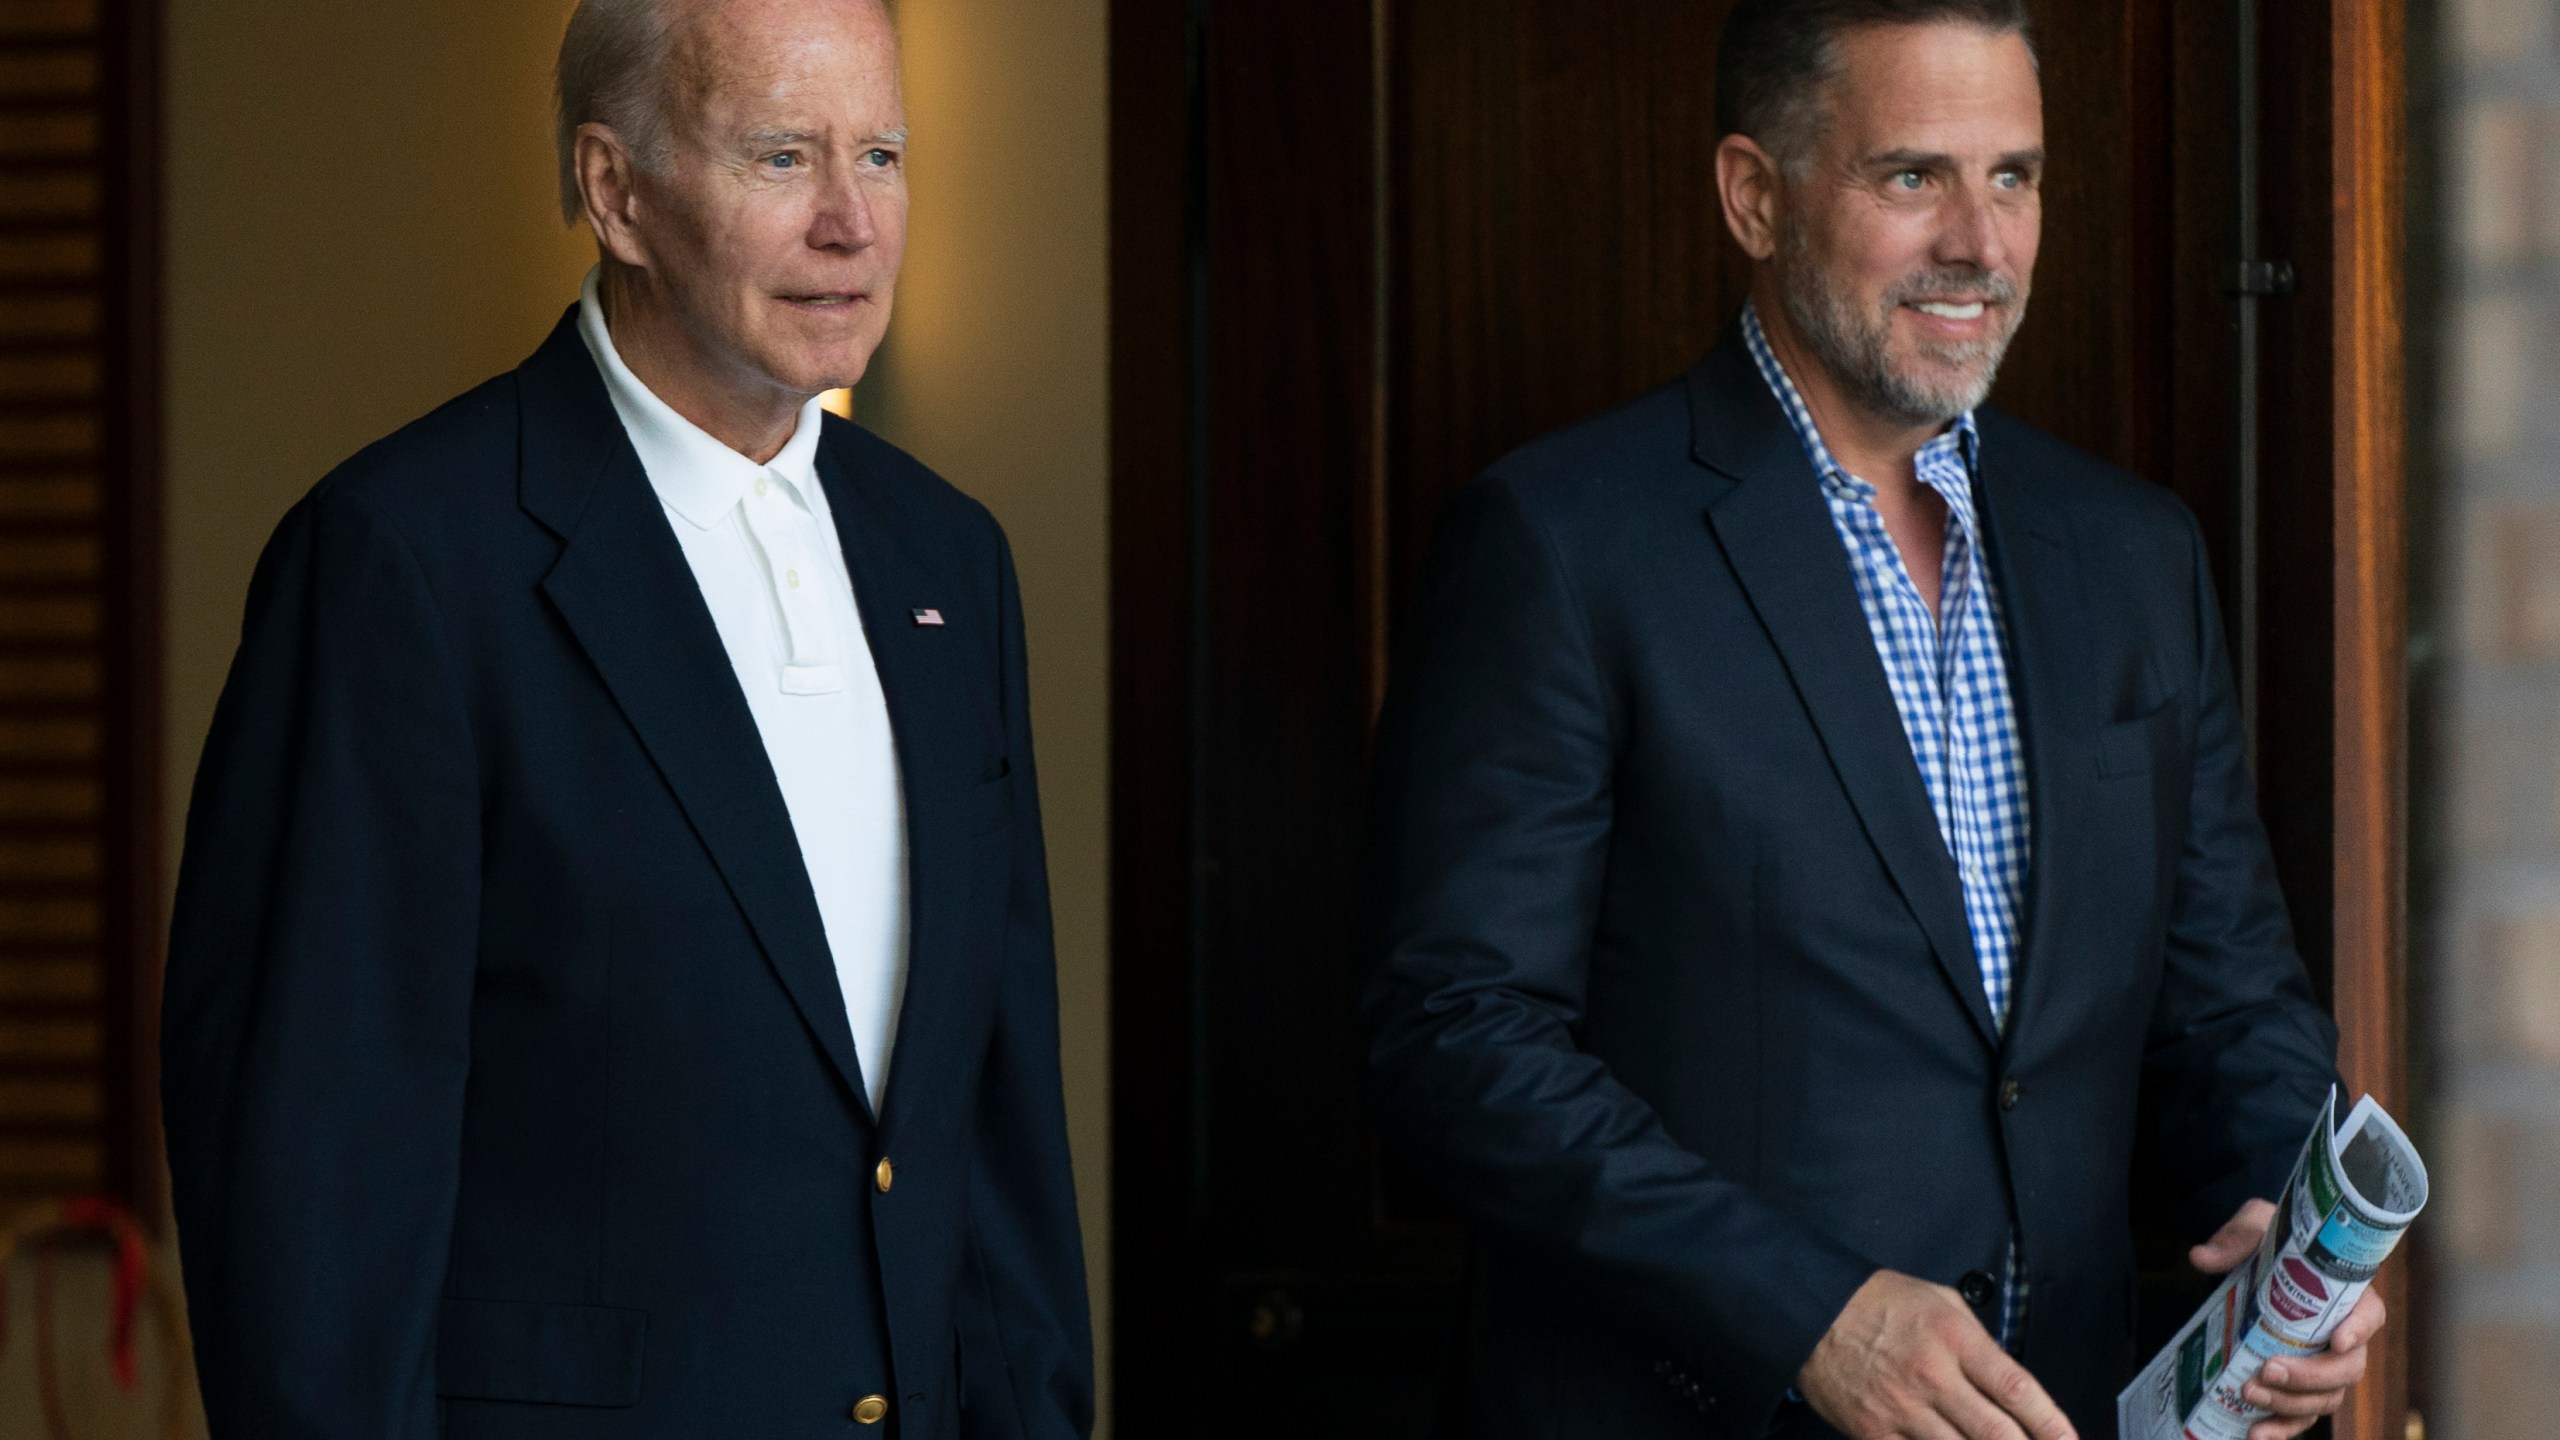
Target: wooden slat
[[49, 377], [28, 194], [49, 437], [59, 257], [51, 620], [32, 858], [46, 75], [75, 800], [38, 317], [48, 1103], [58, 1041], [48, 1164], [45, 18], [49, 134], [48, 558], [48, 496], [70, 739], [49, 980], [75, 921]]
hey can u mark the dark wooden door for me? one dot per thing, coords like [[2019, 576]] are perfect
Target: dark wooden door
[[1362, 247]]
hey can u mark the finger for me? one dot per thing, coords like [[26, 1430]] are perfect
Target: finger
[[1975, 1415], [2232, 1243], [1930, 1425], [2292, 1404], [2006, 1384], [2304, 1374]]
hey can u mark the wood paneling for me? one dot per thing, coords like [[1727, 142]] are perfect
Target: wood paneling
[[78, 731]]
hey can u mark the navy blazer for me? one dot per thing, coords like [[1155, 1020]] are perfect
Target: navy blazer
[[1674, 991], [509, 1088]]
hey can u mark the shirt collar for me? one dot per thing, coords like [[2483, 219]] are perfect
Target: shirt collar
[[1946, 461], [695, 475]]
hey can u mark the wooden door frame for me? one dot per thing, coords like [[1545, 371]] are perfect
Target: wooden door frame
[[2369, 127]]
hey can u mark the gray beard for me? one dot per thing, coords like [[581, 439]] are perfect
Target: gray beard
[[1852, 344]]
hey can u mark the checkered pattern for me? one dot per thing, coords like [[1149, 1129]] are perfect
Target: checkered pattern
[[1951, 684]]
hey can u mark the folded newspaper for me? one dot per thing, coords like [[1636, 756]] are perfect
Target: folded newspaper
[[2357, 1187]]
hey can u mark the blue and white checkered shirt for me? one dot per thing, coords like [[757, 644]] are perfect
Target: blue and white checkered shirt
[[1949, 673]]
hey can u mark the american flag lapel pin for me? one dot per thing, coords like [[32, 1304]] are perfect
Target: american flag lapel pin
[[929, 619]]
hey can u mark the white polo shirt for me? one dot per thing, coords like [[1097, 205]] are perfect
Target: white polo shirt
[[763, 547]]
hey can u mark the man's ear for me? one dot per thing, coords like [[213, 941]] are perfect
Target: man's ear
[[608, 182], [1748, 184]]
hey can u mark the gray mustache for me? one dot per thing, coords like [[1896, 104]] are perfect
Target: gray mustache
[[1954, 283]]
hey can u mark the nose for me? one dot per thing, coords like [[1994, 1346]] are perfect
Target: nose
[[843, 219], [1972, 236]]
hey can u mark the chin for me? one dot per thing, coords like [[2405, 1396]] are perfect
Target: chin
[[807, 373]]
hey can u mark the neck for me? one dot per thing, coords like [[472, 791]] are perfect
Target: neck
[[745, 412], [1876, 448]]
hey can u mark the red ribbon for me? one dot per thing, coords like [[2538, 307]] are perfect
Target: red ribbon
[[105, 1213]]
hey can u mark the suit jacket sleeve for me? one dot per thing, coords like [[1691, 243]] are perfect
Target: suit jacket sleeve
[[2240, 1054], [317, 1010], [1492, 831], [1026, 1342]]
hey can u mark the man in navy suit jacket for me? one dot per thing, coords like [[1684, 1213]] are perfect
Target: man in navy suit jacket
[[617, 761], [1820, 871]]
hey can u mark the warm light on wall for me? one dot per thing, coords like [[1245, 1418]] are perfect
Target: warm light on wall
[[839, 402]]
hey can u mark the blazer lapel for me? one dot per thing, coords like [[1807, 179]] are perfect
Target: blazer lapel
[[1778, 536], [2049, 628], [938, 718], [623, 586]]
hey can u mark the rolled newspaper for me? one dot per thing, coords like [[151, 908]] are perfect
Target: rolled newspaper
[[2353, 1193]]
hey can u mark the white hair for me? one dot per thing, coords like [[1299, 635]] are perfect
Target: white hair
[[613, 64]]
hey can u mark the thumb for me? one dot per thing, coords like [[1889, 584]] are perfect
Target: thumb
[[2231, 1244]]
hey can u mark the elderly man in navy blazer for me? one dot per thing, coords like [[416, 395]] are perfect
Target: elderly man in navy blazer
[[611, 990], [1821, 874]]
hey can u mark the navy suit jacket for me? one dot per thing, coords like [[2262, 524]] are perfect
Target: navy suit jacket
[[1674, 990], [509, 1089]]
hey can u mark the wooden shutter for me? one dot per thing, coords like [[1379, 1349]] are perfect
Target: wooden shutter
[[78, 879]]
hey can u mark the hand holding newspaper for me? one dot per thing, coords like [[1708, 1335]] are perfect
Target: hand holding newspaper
[[2355, 1190]]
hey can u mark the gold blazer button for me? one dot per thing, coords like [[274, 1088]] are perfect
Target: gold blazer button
[[884, 1177], [870, 1410]]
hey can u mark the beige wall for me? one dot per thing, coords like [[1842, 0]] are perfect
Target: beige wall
[[994, 374], [361, 224]]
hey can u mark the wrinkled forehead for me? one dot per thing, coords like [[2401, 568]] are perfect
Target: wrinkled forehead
[[1951, 89], [754, 62]]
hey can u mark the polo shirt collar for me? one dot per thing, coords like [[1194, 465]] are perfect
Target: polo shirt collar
[[695, 475]]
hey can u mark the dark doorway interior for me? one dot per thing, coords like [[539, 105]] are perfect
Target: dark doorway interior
[[1361, 249]]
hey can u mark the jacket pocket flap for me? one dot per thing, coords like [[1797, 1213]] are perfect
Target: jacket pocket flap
[[540, 1354], [2134, 747]]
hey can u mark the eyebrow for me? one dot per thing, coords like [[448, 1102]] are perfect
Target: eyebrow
[[760, 138], [1928, 160]]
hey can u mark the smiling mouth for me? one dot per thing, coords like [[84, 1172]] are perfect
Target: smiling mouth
[[831, 301], [1951, 309]]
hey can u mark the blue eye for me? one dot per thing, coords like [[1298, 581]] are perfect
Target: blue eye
[[1908, 179], [784, 161]]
